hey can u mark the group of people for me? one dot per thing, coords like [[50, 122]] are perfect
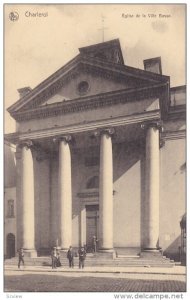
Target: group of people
[[55, 255], [55, 258]]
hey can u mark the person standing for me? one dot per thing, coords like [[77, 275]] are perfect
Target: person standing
[[70, 256], [82, 256], [94, 243], [54, 258], [58, 262], [20, 257]]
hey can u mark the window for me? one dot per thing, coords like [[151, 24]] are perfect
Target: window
[[83, 87], [10, 213]]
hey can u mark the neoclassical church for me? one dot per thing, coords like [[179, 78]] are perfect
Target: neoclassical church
[[100, 151]]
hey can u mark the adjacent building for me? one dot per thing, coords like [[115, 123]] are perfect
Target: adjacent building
[[9, 200]]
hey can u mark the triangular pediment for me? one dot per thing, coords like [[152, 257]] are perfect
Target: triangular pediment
[[85, 76]]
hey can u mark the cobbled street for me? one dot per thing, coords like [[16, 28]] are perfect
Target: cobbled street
[[25, 281]]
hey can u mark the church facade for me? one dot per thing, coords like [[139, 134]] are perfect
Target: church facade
[[101, 152]]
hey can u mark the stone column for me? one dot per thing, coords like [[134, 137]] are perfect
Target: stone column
[[65, 194], [27, 194], [151, 205], [106, 192], [83, 226]]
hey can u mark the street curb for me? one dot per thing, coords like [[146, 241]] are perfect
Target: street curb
[[96, 271]]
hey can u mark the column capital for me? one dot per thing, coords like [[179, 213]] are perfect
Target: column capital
[[65, 138], [109, 131], [154, 124], [26, 143]]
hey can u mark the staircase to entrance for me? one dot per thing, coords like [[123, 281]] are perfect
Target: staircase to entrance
[[120, 258]]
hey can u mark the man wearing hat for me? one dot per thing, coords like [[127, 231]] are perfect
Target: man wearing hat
[[70, 256], [20, 257], [82, 256]]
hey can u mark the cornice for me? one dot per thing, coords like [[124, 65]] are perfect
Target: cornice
[[126, 70], [178, 88], [90, 102], [177, 112], [44, 84], [174, 135], [84, 127]]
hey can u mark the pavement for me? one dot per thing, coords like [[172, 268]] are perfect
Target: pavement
[[95, 279], [175, 270]]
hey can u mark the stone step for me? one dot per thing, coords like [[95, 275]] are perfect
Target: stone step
[[95, 262], [46, 261], [118, 260]]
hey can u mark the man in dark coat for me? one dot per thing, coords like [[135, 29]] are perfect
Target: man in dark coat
[[20, 257], [70, 256], [82, 256], [58, 262]]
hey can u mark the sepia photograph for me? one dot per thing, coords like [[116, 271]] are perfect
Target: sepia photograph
[[95, 150]]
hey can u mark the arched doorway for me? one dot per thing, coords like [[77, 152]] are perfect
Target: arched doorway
[[10, 245]]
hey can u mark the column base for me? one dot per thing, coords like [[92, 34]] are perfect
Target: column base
[[151, 254], [30, 252], [151, 250], [110, 253], [104, 250]]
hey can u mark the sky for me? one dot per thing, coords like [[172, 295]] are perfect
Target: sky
[[35, 47]]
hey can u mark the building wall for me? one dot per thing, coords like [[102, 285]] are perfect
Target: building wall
[[172, 195], [9, 192], [9, 166], [178, 95], [10, 222]]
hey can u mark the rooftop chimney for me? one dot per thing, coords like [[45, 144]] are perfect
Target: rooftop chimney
[[153, 65], [23, 91]]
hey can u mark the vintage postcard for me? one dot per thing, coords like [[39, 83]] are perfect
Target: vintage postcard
[[95, 150]]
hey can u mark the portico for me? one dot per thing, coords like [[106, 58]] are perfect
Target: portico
[[36, 151]]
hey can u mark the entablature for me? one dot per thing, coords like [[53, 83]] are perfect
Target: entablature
[[84, 127]]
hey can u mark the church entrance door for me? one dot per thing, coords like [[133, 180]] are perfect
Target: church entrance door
[[92, 223]]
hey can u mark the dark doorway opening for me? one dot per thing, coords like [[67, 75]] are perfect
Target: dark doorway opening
[[92, 225], [10, 245]]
